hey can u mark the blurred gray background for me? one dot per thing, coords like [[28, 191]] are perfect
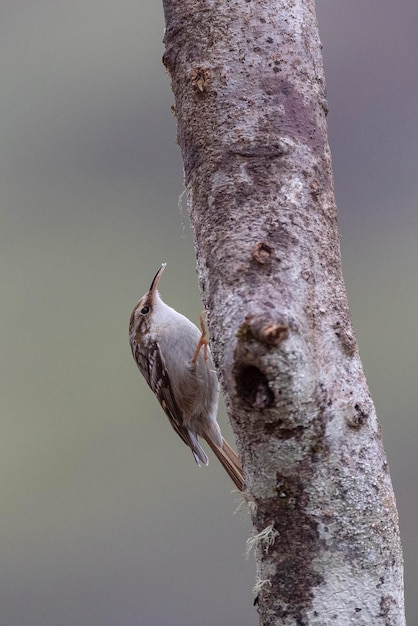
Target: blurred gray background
[[105, 519]]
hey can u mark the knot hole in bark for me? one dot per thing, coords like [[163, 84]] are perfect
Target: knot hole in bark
[[253, 387], [259, 334]]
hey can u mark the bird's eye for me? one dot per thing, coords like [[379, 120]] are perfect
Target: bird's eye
[[144, 310]]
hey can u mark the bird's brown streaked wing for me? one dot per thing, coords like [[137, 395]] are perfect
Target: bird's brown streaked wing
[[157, 377]]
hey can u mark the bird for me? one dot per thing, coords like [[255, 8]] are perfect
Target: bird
[[174, 357]]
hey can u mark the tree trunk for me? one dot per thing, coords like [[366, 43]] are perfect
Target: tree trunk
[[250, 103]]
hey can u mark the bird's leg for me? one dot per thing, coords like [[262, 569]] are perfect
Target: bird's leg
[[202, 342]]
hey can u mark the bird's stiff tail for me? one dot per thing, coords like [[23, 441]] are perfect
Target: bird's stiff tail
[[230, 461]]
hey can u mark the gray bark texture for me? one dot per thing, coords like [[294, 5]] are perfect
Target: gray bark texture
[[251, 110]]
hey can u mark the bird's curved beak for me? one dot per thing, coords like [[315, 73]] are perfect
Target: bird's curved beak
[[153, 289]]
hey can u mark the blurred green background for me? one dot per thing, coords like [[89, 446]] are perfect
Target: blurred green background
[[105, 519]]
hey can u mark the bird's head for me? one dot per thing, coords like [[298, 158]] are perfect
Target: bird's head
[[141, 316]]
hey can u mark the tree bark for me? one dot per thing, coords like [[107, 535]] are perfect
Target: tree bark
[[251, 110]]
